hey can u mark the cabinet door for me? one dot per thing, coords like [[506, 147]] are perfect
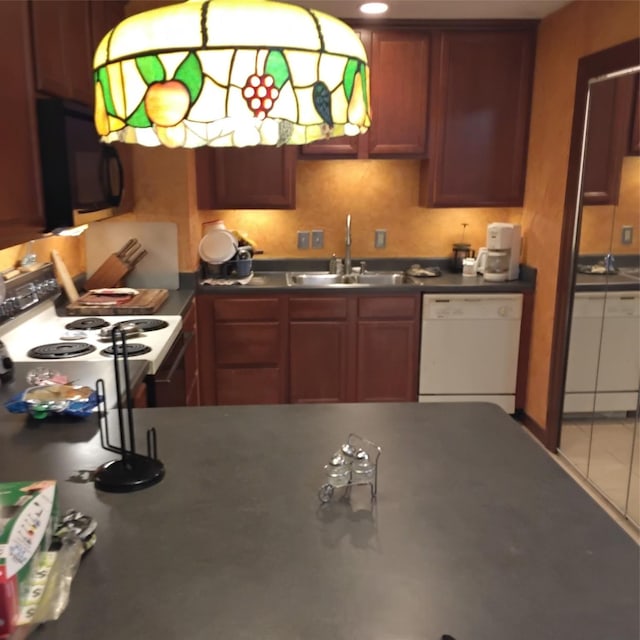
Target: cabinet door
[[608, 130], [399, 81], [190, 328], [387, 348], [634, 143], [319, 362], [259, 177], [399, 70], [387, 361], [21, 216], [62, 48], [343, 146], [318, 365], [480, 119], [105, 14]]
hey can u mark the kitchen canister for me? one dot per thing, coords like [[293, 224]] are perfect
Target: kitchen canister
[[469, 267]]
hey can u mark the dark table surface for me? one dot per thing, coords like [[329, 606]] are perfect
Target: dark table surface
[[476, 532]]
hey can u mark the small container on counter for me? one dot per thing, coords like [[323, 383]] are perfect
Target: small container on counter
[[468, 267]]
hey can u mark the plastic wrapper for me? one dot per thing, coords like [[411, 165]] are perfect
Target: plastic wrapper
[[56, 593], [62, 399]]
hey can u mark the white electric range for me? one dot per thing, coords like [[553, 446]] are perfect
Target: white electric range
[[32, 331], [45, 337]]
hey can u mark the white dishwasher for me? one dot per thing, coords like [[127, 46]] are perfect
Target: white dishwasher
[[469, 348]]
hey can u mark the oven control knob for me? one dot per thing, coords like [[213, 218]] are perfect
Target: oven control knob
[[8, 308]]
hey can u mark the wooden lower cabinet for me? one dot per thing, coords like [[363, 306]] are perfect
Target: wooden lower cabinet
[[319, 363], [353, 348], [242, 349], [388, 339], [301, 348], [139, 399], [191, 364]]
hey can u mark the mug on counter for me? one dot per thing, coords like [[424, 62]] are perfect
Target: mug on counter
[[242, 264]]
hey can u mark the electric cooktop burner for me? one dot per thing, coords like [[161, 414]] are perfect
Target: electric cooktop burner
[[132, 349], [145, 324], [59, 350], [87, 323]]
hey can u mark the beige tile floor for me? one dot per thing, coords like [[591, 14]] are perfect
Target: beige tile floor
[[604, 454]]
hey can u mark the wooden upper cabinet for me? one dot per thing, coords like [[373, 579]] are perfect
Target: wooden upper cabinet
[[481, 95], [105, 14], [342, 146], [399, 93], [634, 142], [62, 48], [608, 130], [399, 73], [21, 216], [260, 177]]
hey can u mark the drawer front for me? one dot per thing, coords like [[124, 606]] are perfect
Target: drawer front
[[399, 307], [318, 308], [256, 343], [229, 309]]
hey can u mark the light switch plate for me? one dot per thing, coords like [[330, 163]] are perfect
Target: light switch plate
[[317, 239], [303, 239], [380, 239], [627, 234]]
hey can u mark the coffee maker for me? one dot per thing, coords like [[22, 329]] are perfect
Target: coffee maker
[[503, 252]]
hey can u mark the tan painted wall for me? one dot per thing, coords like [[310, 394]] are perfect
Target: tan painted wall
[[379, 194], [72, 250], [578, 29]]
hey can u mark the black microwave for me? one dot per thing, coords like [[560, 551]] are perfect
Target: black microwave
[[82, 178]]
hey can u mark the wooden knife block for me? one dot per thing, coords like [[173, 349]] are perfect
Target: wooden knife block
[[109, 274]]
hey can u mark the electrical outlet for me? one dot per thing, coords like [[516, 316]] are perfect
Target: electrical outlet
[[627, 234], [317, 239], [380, 239], [303, 239]]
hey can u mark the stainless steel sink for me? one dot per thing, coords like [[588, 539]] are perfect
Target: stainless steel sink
[[314, 279], [380, 278], [326, 279]]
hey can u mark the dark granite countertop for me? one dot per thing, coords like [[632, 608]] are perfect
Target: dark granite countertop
[[270, 275], [625, 278], [476, 532], [609, 282]]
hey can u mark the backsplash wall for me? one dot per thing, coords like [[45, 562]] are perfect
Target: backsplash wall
[[379, 194], [601, 230], [71, 248]]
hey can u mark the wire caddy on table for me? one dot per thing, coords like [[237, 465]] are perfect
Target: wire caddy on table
[[133, 471], [355, 463]]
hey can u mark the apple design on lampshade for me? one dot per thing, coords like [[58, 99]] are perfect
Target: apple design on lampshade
[[167, 103]]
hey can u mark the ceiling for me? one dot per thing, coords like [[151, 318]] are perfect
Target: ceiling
[[442, 9]]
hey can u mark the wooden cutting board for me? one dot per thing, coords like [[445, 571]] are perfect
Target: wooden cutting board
[[148, 301]]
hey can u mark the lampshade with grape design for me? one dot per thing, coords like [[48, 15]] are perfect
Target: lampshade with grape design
[[230, 73]]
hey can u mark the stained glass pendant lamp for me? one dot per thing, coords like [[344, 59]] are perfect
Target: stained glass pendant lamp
[[230, 73]]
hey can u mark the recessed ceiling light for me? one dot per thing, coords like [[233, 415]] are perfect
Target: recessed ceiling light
[[374, 7]]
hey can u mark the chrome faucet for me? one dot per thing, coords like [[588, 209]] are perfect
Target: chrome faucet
[[347, 247]]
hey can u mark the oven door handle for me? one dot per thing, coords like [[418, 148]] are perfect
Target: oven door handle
[[188, 337]]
